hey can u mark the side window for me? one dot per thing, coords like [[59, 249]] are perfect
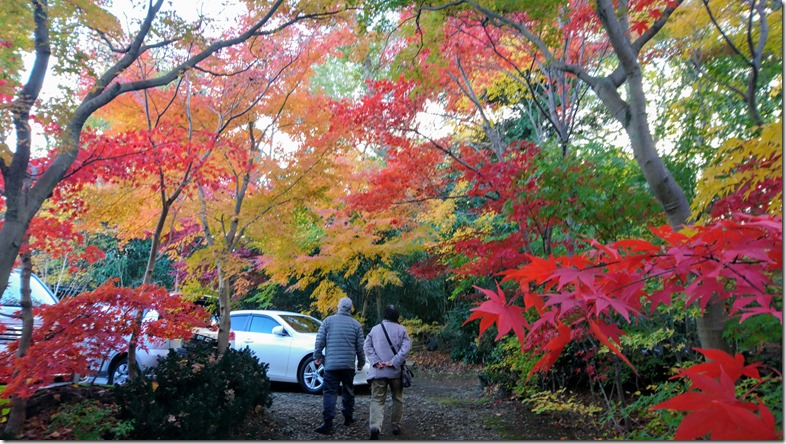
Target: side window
[[38, 293], [238, 322], [262, 324]]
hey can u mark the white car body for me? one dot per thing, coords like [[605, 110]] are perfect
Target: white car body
[[285, 341], [115, 365], [10, 305]]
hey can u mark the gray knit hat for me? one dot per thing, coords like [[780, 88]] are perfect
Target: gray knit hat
[[345, 305]]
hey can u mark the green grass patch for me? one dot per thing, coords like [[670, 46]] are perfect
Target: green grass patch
[[456, 402]]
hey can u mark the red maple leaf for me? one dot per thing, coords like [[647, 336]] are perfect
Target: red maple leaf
[[639, 27], [553, 349], [715, 410], [603, 332], [497, 309], [721, 362]]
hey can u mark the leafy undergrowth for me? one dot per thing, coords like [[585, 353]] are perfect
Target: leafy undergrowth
[[43, 406]]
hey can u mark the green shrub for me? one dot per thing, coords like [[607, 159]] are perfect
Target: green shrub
[[462, 340], [195, 396], [643, 424], [90, 420], [508, 369]]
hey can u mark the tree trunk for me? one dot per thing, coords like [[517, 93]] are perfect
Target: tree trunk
[[147, 279], [18, 412], [710, 326], [378, 298], [224, 301]]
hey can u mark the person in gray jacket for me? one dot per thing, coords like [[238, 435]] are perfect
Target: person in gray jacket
[[385, 369], [341, 336]]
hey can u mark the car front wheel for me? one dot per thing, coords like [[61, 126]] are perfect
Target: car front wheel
[[311, 376], [118, 374]]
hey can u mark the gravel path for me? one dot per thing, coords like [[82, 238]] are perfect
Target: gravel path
[[435, 408], [446, 402]]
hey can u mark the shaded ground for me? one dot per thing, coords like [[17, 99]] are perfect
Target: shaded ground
[[446, 402]]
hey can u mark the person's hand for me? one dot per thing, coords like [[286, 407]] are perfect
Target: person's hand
[[360, 367], [318, 362]]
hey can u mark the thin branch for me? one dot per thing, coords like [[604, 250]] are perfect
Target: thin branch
[[723, 34]]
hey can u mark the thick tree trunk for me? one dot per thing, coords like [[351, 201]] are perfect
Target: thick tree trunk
[[710, 327], [633, 117]]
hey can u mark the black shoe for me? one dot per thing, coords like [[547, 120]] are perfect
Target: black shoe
[[396, 431], [348, 420], [374, 434], [326, 428]]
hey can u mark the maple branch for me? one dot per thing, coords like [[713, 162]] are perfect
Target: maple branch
[[109, 44], [726, 38], [526, 77], [97, 158], [754, 62], [104, 94], [221, 74], [442, 6], [694, 61], [618, 35], [447, 151], [203, 217], [426, 199], [493, 135], [262, 94], [647, 35], [14, 175], [617, 77], [160, 44]]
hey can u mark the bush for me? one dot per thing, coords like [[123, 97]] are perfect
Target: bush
[[90, 420], [462, 340], [196, 395], [509, 369]]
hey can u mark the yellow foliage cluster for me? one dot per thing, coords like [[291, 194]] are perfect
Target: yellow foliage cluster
[[723, 176], [691, 24]]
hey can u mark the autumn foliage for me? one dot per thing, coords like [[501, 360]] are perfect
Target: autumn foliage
[[738, 261], [80, 331], [713, 406]]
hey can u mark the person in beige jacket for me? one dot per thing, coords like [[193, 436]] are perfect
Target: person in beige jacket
[[385, 369]]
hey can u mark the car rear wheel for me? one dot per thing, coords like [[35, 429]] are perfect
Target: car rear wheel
[[311, 376], [118, 373]]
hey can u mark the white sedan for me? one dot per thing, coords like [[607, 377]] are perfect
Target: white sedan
[[285, 341]]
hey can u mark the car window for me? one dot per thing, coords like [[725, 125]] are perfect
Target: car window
[[38, 293], [302, 324], [262, 324], [238, 322]]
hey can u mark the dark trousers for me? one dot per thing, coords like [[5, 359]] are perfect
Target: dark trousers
[[330, 392]]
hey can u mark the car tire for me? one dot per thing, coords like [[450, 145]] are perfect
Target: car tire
[[311, 377], [118, 372]]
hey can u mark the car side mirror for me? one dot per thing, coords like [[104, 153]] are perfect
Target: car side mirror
[[279, 331]]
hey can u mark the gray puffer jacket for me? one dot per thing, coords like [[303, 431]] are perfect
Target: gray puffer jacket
[[378, 350], [341, 337]]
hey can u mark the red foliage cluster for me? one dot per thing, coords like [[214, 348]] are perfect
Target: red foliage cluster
[[735, 260], [76, 333], [713, 405]]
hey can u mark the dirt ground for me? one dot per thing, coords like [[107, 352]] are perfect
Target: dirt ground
[[446, 402]]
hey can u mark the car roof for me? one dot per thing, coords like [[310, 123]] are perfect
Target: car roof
[[275, 312]]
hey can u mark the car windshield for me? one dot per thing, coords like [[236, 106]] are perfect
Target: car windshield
[[38, 293], [302, 324]]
